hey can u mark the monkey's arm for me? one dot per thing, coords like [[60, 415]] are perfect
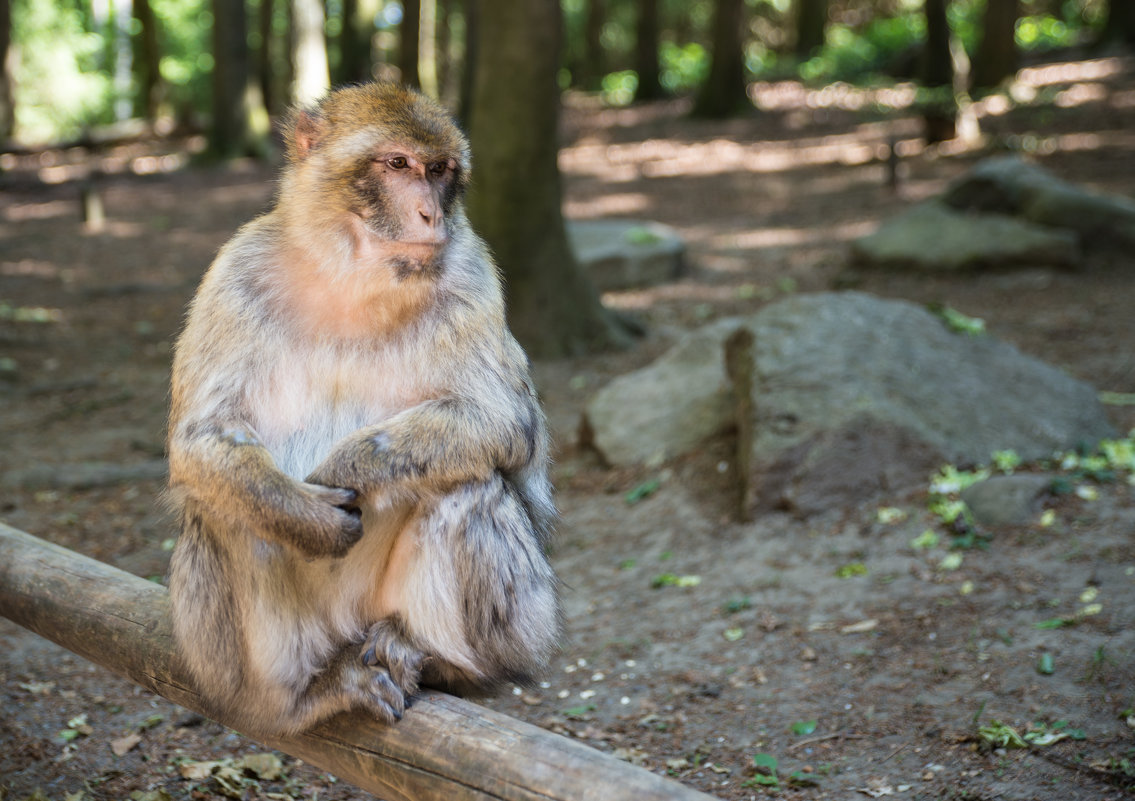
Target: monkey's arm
[[437, 444], [226, 472]]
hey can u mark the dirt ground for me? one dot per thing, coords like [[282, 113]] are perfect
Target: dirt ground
[[859, 682]]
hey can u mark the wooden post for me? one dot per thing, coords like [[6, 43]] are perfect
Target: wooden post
[[444, 749]]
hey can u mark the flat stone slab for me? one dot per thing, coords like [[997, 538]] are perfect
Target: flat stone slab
[[625, 254], [935, 237]]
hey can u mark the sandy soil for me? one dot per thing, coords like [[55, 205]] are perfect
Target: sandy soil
[[867, 685]]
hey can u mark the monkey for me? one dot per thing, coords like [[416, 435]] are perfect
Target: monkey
[[357, 457]]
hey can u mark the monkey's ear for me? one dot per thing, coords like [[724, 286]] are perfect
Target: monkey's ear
[[308, 128]]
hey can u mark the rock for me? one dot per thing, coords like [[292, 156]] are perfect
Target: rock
[[667, 408], [850, 395], [623, 254], [1011, 185], [1007, 500], [857, 394], [933, 237]]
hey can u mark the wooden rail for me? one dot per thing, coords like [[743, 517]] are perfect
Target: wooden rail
[[444, 749]]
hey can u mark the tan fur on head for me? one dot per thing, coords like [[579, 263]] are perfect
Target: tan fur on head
[[381, 111]]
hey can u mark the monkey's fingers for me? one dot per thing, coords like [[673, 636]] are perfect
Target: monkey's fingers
[[383, 697], [387, 645]]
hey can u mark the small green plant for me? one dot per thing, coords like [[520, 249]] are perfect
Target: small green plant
[[766, 772]]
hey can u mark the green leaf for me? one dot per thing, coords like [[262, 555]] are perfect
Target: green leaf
[[577, 711], [1045, 665], [765, 762], [803, 727], [851, 570], [1051, 623], [642, 491]]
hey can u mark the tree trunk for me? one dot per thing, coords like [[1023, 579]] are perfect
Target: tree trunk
[[309, 52], [811, 20], [146, 59], [354, 44], [1120, 25], [515, 202], [593, 65], [7, 99], [940, 113], [231, 131], [646, 51], [996, 57], [427, 49], [723, 93], [469, 71], [409, 31], [444, 749]]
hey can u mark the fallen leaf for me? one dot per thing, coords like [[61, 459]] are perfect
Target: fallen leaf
[[198, 770], [266, 766], [863, 625], [123, 744]]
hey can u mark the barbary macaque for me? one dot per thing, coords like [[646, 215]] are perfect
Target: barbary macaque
[[357, 456]]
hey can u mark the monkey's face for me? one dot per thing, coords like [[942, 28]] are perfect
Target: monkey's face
[[405, 198], [393, 164]]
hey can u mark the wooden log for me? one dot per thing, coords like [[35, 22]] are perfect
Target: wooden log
[[443, 749]]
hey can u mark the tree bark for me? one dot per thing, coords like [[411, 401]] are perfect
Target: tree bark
[[723, 93], [811, 21], [409, 31], [231, 133], [515, 201], [593, 64], [940, 113], [309, 52], [7, 98], [147, 57], [996, 57], [1119, 28], [646, 51], [354, 44], [444, 749]]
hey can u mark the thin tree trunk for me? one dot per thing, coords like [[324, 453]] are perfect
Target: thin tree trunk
[[1119, 27], [811, 20], [940, 113], [723, 93], [427, 48], [515, 202], [408, 51], [146, 59], [469, 72], [646, 51], [7, 98], [309, 53], [592, 64], [996, 57], [231, 132]]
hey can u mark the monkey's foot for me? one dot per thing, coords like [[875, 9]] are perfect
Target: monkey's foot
[[385, 699], [388, 646]]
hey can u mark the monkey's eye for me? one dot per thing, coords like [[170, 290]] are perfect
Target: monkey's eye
[[439, 167], [397, 163]]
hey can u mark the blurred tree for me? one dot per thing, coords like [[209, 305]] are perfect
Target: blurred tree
[[469, 66], [1119, 28], [811, 20], [940, 112], [515, 200], [147, 61], [723, 92], [427, 48], [231, 134], [7, 98], [312, 78], [268, 65], [409, 32], [646, 51], [996, 57], [592, 64], [354, 42]]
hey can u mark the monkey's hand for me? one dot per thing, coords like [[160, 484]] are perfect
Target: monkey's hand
[[318, 521]]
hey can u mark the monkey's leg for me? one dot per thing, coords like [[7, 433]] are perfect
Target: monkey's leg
[[478, 595]]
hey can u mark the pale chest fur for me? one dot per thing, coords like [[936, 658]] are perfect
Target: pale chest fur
[[307, 399]]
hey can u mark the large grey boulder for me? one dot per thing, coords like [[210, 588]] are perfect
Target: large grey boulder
[[624, 254], [934, 237], [847, 395], [1011, 185], [666, 409]]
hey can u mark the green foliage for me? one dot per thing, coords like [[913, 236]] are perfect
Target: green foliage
[[682, 67], [60, 90]]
